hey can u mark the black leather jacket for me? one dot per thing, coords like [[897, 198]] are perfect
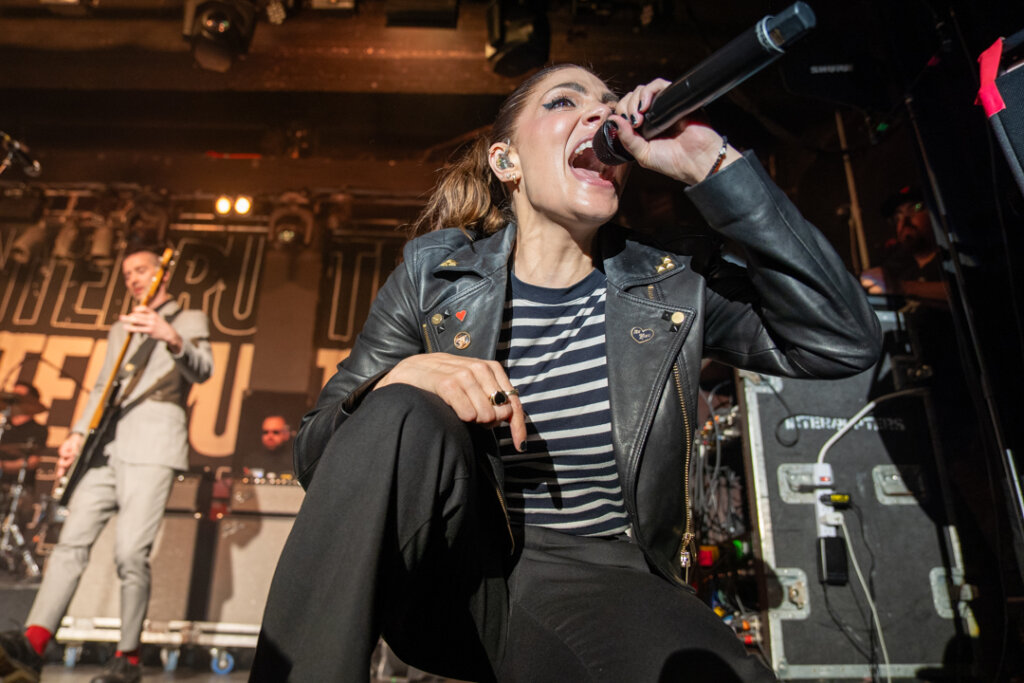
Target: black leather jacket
[[793, 311]]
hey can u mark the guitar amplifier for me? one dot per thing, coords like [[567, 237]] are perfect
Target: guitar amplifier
[[187, 493], [190, 493], [249, 540], [266, 496]]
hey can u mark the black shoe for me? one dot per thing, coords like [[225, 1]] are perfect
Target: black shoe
[[19, 663], [119, 670]]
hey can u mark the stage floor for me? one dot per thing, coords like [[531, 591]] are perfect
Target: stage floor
[[58, 673], [16, 597]]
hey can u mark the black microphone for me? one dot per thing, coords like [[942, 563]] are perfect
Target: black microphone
[[740, 59], [20, 153]]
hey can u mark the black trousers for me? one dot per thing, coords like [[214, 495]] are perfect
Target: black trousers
[[401, 533]]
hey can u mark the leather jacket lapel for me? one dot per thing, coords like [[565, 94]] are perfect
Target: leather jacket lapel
[[468, 322], [643, 339]]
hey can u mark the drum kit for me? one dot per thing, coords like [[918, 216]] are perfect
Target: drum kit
[[22, 514]]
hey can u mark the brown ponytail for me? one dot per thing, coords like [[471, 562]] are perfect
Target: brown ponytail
[[468, 196]]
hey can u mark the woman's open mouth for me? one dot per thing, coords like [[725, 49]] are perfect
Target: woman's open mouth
[[583, 159]]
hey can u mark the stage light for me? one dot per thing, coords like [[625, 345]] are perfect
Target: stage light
[[65, 239], [219, 31], [28, 243], [223, 205], [291, 222], [148, 219], [339, 213], [102, 242], [243, 205], [276, 12], [518, 36]]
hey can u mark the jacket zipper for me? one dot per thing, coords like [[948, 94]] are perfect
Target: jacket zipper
[[497, 489], [685, 555]]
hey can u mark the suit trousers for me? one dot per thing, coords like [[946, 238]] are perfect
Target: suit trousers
[[401, 533], [139, 494]]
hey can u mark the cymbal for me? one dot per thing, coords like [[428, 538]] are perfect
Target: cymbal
[[19, 404]]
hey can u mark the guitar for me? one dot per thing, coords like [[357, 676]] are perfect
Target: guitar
[[107, 410]]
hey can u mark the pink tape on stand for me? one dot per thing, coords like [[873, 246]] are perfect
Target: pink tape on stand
[[988, 94]]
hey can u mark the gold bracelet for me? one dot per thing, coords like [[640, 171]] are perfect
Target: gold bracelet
[[720, 159]]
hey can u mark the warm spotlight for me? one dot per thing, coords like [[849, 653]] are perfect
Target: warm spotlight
[[223, 205], [243, 205]]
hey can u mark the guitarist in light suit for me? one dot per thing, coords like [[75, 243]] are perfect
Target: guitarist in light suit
[[131, 474]]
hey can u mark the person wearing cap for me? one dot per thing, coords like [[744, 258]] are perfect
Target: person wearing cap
[[911, 262]]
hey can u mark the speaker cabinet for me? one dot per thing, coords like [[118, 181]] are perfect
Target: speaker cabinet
[[266, 496], [1008, 123], [179, 562], [246, 554], [99, 591]]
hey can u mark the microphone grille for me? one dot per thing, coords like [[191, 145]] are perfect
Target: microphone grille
[[607, 147]]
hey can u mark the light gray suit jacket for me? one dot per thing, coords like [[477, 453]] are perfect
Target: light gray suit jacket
[[153, 427]]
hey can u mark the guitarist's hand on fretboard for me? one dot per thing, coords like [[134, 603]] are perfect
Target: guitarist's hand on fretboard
[[67, 453], [145, 320]]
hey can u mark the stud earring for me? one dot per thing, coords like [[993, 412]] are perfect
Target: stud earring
[[503, 162]]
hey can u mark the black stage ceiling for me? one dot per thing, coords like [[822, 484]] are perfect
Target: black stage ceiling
[[101, 89]]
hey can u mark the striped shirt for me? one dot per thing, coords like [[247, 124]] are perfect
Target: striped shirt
[[552, 345]]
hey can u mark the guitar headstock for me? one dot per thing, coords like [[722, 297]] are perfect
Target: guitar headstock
[[165, 263], [166, 259]]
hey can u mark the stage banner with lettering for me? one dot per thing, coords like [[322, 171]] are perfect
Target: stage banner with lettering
[[356, 264], [55, 315]]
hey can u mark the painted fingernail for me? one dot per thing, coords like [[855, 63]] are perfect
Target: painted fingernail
[[522, 446], [632, 119]]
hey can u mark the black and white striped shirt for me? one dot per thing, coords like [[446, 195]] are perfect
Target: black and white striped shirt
[[552, 345]]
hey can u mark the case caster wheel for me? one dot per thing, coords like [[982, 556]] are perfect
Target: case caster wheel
[[72, 653], [169, 658], [221, 661]]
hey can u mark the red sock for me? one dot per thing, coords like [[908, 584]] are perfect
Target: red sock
[[132, 656], [38, 637]]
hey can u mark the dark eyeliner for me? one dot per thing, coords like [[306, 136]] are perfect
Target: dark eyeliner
[[556, 101]]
